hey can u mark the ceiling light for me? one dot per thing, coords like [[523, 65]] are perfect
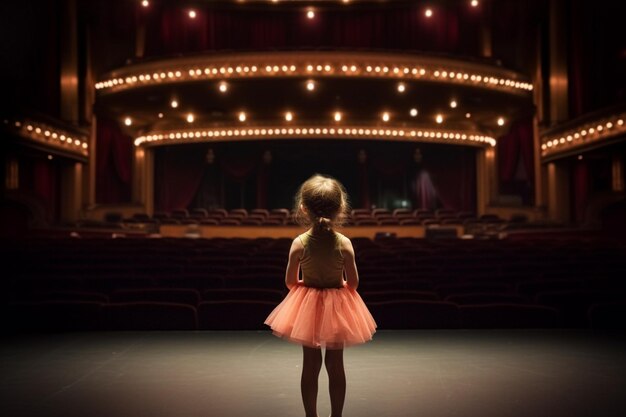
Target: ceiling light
[[174, 104], [428, 13], [474, 3], [401, 87], [192, 14], [385, 117], [413, 112], [145, 3], [242, 117], [223, 86], [190, 118], [338, 116], [500, 121], [288, 116], [128, 121], [310, 85], [310, 14], [453, 104], [439, 118]]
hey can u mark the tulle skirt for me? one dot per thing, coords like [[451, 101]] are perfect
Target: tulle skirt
[[331, 318]]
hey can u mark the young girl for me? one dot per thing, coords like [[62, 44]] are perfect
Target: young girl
[[322, 310]]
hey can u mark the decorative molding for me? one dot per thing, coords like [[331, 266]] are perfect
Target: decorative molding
[[305, 64], [51, 136], [578, 135], [395, 133]]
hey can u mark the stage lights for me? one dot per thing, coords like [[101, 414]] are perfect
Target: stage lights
[[174, 103], [385, 117], [50, 136], [500, 121], [242, 116], [223, 87], [310, 85], [192, 14], [428, 13], [190, 118], [128, 121], [362, 131], [439, 118], [594, 131], [337, 116], [288, 116], [413, 112]]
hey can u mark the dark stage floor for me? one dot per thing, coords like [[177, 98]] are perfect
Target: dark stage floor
[[465, 373]]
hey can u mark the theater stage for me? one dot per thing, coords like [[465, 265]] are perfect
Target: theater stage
[[433, 373]]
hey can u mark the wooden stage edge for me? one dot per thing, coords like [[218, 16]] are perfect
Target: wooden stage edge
[[171, 230]]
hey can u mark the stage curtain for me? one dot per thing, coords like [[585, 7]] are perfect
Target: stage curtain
[[114, 153], [581, 190], [171, 31], [178, 177], [447, 180], [514, 147], [45, 181]]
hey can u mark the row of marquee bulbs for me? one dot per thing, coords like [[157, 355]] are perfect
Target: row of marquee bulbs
[[310, 12], [337, 116], [310, 84]]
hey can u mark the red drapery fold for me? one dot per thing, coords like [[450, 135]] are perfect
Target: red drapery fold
[[400, 27], [450, 179], [114, 153], [178, 177], [514, 147], [580, 189]]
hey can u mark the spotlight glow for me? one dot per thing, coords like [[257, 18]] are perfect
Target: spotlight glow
[[145, 3], [338, 116], [413, 112], [474, 3], [310, 14], [223, 86], [401, 87], [453, 104], [190, 118], [428, 13], [288, 116], [439, 119], [242, 117], [128, 121], [310, 85], [174, 104], [192, 14], [385, 117], [500, 121]]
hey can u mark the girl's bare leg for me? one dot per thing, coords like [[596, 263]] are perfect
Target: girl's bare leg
[[336, 380], [311, 366]]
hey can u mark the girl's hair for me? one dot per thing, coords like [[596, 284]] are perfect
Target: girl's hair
[[325, 200]]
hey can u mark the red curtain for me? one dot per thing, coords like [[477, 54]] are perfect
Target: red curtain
[[114, 154], [514, 147], [178, 176], [580, 188], [45, 181], [447, 180], [172, 31]]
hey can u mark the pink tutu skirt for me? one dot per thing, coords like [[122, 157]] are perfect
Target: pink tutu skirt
[[331, 318]]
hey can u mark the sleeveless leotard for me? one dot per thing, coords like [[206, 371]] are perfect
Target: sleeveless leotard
[[321, 311]]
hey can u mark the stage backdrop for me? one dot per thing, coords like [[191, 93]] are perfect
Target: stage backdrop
[[267, 174]]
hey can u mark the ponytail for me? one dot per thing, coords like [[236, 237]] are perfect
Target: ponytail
[[323, 224]]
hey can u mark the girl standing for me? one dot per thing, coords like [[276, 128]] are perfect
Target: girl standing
[[323, 310]]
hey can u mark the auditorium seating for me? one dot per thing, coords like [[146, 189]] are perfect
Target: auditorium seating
[[284, 216], [53, 283]]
